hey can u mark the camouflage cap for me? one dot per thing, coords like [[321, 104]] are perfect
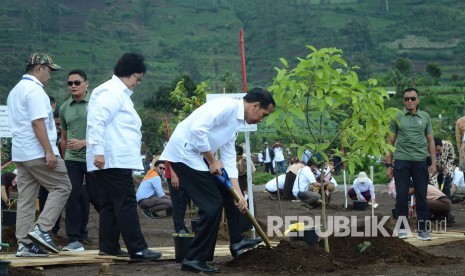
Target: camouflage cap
[[43, 59]]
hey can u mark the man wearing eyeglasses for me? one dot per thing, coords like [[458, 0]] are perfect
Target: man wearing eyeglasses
[[150, 195], [412, 137], [73, 118]]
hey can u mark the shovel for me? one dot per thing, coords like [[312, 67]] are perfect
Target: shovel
[[224, 179]]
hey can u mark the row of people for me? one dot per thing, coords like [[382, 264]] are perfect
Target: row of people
[[97, 128]]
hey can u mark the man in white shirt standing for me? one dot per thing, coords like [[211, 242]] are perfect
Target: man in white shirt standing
[[279, 157], [36, 157], [113, 151], [268, 156], [190, 151]]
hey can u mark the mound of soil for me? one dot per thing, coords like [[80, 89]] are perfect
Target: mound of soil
[[298, 257]]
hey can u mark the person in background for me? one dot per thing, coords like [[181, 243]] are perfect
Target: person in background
[[36, 157], [268, 156], [291, 174], [191, 152], [306, 156], [273, 185], [242, 169], [458, 183], [304, 185], [460, 139], [445, 155], [260, 161], [412, 137], [279, 157], [73, 118], [113, 151], [7, 184], [439, 206], [150, 195], [179, 200], [362, 189]]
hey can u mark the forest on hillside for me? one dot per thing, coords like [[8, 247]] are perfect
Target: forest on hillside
[[200, 38], [398, 42]]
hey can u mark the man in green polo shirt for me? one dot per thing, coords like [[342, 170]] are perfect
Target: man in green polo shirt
[[73, 118], [412, 136]]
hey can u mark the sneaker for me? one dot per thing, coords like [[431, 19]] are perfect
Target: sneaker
[[30, 250], [74, 246], [183, 232], [150, 215], [43, 238], [402, 235], [424, 236]]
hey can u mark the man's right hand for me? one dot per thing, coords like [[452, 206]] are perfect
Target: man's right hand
[[215, 167], [50, 160]]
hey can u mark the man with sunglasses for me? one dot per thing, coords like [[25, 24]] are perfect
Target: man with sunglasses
[[412, 136], [150, 195], [36, 157], [73, 118]]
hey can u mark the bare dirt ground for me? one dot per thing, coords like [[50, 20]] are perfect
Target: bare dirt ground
[[385, 256]]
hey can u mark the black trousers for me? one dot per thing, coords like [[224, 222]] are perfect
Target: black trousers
[[210, 196], [418, 171], [179, 199], [269, 167], [77, 206], [118, 213]]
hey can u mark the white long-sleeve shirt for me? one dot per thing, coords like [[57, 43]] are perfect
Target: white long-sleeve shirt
[[113, 127], [213, 126], [360, 187], [458, 179]]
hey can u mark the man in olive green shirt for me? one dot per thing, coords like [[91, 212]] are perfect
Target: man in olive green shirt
[[412, 136], [73, 118]]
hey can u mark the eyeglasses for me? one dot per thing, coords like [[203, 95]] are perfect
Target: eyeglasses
[[161, 168], [138, 78], [412, 99], [76, 83]]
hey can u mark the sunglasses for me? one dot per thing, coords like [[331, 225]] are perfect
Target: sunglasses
[[161, 168], [76, 83], [412, 99]]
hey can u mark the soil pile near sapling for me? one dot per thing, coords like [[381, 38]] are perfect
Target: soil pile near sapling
[[297, 256], [288, 256]]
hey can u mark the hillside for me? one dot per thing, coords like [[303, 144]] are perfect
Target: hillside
[[201, 37]]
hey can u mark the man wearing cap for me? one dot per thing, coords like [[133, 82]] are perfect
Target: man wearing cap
[[36, 157], [362, 189]]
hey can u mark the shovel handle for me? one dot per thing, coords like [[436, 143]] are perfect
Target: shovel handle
[[252, 219]]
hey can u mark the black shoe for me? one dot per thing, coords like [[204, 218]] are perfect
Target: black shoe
[[450, 219], [147, 255], [197, 266], [246, 243], [120, 253]]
